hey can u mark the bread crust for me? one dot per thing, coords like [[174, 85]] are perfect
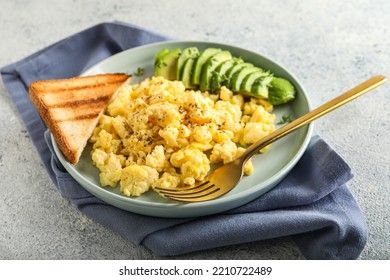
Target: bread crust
[[82, 100]]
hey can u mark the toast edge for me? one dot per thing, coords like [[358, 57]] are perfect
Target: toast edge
[[54, 129]]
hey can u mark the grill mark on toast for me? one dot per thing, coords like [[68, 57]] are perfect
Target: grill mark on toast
[[79, 118], [76, 103]]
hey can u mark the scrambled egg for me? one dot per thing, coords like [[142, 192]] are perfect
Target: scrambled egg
[[157, 133]]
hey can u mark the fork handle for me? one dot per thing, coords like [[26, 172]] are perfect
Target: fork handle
[[357, 91]]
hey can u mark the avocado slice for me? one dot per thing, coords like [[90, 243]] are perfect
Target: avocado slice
[[186, 73], [200, 61], [166, 64], [211, 64], [186, 53], [260, 86], [280, 91], [218, 78], [239, 76], [157, 59], [247, 82], [233, 70], [160, 54]]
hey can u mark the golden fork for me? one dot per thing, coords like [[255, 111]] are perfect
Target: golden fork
[[226, 177]]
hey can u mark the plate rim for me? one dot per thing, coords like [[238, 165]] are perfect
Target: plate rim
[[269, 183]]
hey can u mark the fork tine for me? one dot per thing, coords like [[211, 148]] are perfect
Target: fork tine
[[204, 196], [199, 193], [193, 195], [205, 190], [189, 190]]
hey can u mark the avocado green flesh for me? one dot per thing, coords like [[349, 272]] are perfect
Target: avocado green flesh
[[239, 76], [218, 77], [201, 60], [166, 64], [233, 70], [247, 82], [187, 53], [161, 53], [211, 64], [260, 87], [281, 91], [186, 73]]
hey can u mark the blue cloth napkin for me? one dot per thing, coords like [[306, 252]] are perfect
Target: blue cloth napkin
[[312, 204]]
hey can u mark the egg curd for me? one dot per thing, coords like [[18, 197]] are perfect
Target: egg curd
[[157, 133]]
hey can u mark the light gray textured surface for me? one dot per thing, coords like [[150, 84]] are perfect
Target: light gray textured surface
[[330, 46]]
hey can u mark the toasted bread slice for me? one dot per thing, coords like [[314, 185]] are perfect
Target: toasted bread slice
[[71, 108]]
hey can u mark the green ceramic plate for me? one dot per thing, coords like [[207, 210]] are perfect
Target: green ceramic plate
[[270, 168]]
